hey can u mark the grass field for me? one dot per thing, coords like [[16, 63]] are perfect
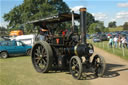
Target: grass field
[[116, 29], [122, 52], [19, 71]]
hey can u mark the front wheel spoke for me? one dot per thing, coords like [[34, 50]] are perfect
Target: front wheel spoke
[[76, 65], [99, 65], [76, 71], [74, 62], [73, 71]]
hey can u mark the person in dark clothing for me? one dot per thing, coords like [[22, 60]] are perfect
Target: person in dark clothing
[[43, 30]]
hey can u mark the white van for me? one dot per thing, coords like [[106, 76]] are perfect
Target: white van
[[29, 39]]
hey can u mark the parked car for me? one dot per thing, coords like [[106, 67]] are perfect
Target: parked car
[[103, 37], [9, 48], [87, 36], [96, 39]]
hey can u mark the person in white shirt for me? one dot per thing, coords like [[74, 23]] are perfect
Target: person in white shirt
[[115, 41], [123, 41]]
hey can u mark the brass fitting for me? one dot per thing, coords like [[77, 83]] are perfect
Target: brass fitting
[[82, 9]]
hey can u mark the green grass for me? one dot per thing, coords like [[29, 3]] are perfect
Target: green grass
[[117, 51], [20, 71], [115, 29]]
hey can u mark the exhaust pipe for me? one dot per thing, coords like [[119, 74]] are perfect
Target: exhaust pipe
[[73, 20], [83, 25]]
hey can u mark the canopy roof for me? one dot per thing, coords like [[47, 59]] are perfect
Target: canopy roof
[[55, 19]]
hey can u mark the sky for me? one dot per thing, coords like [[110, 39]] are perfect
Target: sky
[[103, 10]]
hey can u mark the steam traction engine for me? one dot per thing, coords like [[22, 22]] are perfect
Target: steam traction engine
[[66, 52]]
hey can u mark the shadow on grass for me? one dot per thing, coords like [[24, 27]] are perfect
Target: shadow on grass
[[18, 56], [15, 56]]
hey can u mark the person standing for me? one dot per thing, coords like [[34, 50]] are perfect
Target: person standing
[[119, 41], [111, 42], [123, 41], [115, 41]]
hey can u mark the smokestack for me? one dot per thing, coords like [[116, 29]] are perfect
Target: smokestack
[[83, 25], [73, 20]]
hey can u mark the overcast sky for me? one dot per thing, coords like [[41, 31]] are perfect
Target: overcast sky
[[103, 10]]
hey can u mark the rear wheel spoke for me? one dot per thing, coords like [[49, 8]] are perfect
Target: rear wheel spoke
[[36, 54]]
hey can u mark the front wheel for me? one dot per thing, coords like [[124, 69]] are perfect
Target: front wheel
[[76, 67], [99, 65], [4, 54]]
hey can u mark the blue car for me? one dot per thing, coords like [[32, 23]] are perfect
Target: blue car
[[9, 48]]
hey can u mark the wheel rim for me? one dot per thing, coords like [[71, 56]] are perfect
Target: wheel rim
[[40, 57], [4, 55], [75, 68]]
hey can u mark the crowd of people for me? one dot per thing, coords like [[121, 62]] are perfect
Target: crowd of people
[[118, 41]]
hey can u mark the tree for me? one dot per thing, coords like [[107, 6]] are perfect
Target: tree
[[32, 10], [98, 26], [90, 20], [60, 6], [106, 30], [92, 28], [125, 26], [3, 31], [112, 24], [37, 9]]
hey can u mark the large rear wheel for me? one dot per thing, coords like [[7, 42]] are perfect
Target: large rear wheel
[[42, 56], [76, 67]]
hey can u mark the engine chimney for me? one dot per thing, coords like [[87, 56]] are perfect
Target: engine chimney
[[83, 25]]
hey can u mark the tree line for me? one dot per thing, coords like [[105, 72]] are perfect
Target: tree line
[[36, 9], [31, 10], [98, 26]]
